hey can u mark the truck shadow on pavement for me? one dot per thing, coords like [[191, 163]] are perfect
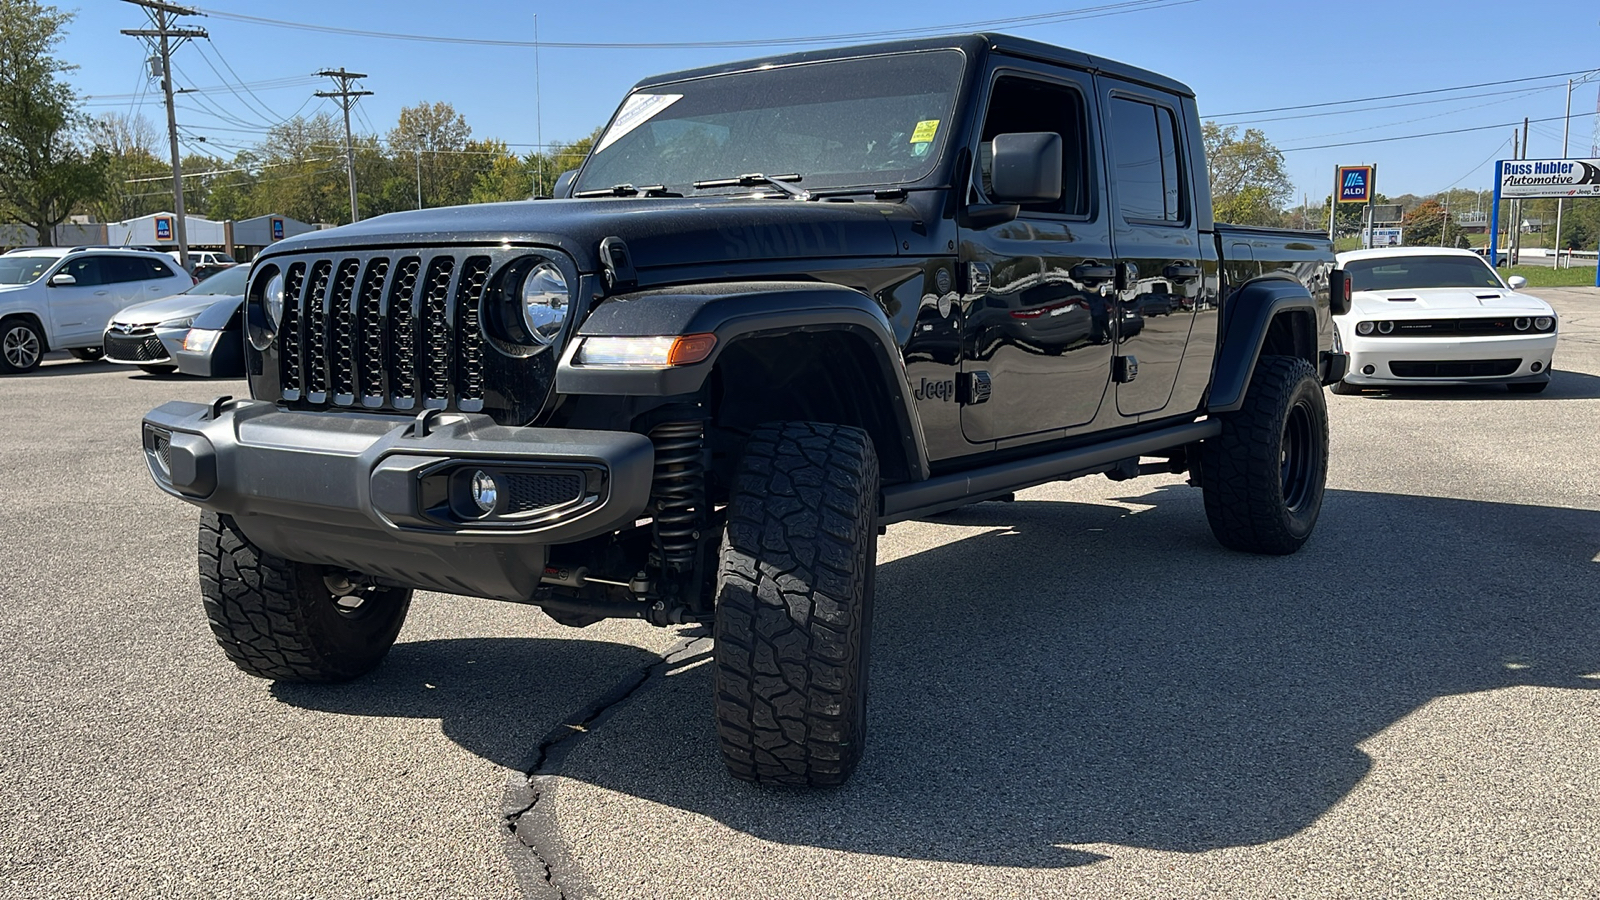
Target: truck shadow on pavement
[[1563, 386], [1064, 674]]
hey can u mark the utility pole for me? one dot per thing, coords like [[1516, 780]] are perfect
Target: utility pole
[[418, 152], [1514, 227], [164, 38], [1566, 130], [538, 110], [346, 98]]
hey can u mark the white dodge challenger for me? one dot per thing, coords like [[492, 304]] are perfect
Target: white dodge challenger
[[1425, 316]]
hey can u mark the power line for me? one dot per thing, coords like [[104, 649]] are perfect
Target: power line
[[164, 17], [347, 96], [1031, 21], [1409, 137], [1444, 90], [1518, 92]]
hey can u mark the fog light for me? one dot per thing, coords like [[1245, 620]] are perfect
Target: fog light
[[485, 492], [1522, 324], [1536, 367], [1369, 370], [1363, 328], [1385, 327]]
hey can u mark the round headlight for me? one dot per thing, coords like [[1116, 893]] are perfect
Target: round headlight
[[1522, 324], [272, 299], [1363, 328], [1543, 323], [1385, 327], [544, 303]]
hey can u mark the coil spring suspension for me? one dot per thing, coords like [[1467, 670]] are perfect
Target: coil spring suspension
[[678, 491]]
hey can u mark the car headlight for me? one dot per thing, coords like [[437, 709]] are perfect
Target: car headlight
[[1385, 327], [176, 323], [1543, 323], [544, 302], [1522, 324], [200, 340], [272, 300], [1363, 328]]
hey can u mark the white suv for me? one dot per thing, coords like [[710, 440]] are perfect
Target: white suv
[[55, 298]]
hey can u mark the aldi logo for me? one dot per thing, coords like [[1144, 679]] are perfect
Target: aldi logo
[[163, 228], [1355, 184]]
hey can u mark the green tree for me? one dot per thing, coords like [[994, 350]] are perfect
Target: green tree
[[438, 141], [508, 177], [44, 171], [1249, 185], [1423, 223]]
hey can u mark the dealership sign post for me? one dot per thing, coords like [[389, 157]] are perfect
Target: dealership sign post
[[1528, 179]]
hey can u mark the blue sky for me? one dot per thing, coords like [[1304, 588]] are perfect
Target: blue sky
[[1238, 55]]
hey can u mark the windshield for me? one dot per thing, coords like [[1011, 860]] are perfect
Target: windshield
[[24, 269], [879, 120], [1407, 273], [229, 281]]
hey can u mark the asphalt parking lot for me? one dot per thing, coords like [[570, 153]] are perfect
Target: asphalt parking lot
[[1075, 694]]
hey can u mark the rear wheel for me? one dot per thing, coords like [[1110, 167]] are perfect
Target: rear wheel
[[87, 354], [21, 346], [794, 605], [289, 621], [1528, 387], [1264, 475]]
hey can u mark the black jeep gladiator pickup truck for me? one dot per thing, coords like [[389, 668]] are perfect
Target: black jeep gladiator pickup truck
[[783, 304]]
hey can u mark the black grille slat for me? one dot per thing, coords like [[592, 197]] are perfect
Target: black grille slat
[[135, 348], [341, 298], [1454, 368], [526, 492], [469, 334], [316, 333], [1471, 327], [370, 360], [436, 337], [290, 341], [403, 333]]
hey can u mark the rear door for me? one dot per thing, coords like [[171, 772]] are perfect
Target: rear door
[[1155, 238]]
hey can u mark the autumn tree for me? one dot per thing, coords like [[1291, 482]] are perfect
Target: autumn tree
[[44, 171], [1421, 226], [1248, 183]]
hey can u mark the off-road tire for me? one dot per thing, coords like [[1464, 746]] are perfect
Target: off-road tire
[[1528, 387], [794, 605], [1265, 474], [277, 619], [22, 346], [88, 354], [158, 370], [1345, 389]]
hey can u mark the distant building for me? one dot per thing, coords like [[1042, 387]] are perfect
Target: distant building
[[251, 236], [160, 230]]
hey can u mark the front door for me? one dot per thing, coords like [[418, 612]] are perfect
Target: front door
[[77, 311], [1037, 332], [1157, 242]]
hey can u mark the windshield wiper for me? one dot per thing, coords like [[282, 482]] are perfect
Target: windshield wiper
[[628, 190], [781, 182]]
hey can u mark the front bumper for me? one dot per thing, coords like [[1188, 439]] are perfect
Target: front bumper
[[143, 346], [1532, 353], [381, 495]]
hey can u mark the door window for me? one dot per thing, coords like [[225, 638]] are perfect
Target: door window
[[1026, 105], [156, 269], [122, 269], [86, 269], [1144, 152]]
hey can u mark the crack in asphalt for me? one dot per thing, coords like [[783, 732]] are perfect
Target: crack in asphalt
[[531, 841]]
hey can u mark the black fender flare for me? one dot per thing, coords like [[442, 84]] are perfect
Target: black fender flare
[[733, 311], [1255, 305]]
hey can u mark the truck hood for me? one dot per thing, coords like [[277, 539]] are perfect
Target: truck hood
[[659, 231], [1449, 301]]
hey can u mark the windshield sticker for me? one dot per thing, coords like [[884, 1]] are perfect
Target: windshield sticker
[[637, 110], [926, 129]]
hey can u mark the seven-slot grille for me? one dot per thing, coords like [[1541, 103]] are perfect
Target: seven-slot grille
[[386, 330]]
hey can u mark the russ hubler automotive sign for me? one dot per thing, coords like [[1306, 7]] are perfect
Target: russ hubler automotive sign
[[1526, 178]]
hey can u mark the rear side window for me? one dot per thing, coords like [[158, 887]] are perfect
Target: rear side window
[[119, 269], [157, 269], [1025, 105], [1146, 166]]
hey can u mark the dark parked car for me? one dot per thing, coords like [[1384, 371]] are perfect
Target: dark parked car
[[761, 322], [153, 335]]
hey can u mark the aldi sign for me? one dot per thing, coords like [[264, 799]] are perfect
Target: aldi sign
[[1523, 179], [1355, 184], [277, 228], [163, 228]]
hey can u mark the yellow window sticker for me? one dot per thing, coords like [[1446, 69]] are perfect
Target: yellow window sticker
[[925, 131]]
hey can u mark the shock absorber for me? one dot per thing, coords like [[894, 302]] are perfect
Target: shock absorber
[[678, 492]]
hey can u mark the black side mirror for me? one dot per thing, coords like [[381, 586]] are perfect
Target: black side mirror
[[1339, 292], [1027, 167], [563, 183]]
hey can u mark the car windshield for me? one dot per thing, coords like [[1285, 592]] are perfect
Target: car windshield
[[24, 269], [1407, 273], [877, 120], [229, 281]]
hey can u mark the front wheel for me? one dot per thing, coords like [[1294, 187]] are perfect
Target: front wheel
[[794, 605], [21, 346], [290, 621], [1264, 475]]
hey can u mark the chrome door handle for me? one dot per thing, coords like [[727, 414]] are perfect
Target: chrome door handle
[[101, 293]]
